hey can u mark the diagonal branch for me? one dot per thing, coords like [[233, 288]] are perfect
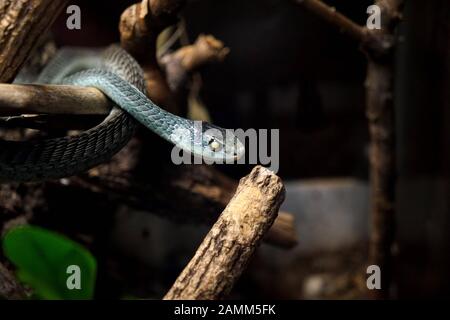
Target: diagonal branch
[[371, 40], [335, 18], [229, 245], [23, 23]]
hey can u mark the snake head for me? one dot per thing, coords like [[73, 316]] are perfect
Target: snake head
[[209, 142], [220, 144]]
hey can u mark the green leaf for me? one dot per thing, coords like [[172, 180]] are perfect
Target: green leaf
[[43, 258]]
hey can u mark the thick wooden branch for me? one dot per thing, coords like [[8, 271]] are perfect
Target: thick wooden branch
[[47, 107], [229, 245], [18, 99], [22, 24]]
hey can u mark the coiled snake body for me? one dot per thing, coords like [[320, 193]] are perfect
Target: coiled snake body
[[119, 77]]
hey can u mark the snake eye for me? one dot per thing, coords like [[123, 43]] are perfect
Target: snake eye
[[214, 145]]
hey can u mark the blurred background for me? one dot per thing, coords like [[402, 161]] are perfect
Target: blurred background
[[289, 70]]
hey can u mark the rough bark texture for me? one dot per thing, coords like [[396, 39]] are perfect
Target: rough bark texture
[[22, 24], [227, 248]]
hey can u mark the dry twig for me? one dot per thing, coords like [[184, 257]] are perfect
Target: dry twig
[[206, 49]]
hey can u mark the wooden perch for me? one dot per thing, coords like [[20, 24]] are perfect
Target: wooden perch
[[23, 23], [52, 99], [229, 245], [206, 49]]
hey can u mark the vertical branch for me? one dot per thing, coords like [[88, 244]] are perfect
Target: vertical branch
[[379, 46], [22, 24], [380, 113]]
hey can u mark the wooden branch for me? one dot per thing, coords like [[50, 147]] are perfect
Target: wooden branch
[[18, 99], [23, 23], [229, 245], [368, 38], [380, 113], [140, 25], [9, 287], [206, 49]]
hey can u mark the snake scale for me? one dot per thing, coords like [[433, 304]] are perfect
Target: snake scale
[[118, 76]]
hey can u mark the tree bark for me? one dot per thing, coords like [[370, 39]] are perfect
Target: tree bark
[[23, 23], [18, 99], [229, 245]]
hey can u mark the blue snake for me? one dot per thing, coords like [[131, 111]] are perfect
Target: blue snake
[[120, 78]]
